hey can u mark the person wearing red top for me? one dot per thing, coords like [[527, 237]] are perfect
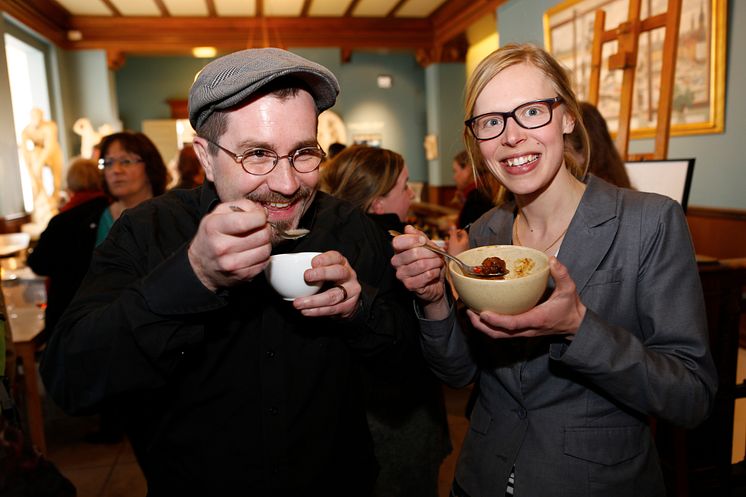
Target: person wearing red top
[[64, 249]]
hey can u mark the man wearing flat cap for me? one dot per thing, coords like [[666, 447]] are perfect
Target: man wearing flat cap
[[224, 386]]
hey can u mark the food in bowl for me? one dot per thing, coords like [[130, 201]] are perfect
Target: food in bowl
[[492, 268], [496, 268], [516, 292]]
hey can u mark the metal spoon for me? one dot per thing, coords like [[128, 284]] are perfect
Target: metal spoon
[[466, 269], [291, 234]]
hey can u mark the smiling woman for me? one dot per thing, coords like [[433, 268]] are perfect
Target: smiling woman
[[586, 349]]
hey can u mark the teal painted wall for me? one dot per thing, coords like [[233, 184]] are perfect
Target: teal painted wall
[[398, 114], [445, 110], [720, 170]]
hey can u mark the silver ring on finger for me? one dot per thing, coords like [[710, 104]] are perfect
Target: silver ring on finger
[[344, 293]]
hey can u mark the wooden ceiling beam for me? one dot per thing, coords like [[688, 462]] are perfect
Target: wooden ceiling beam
[[395, 8], [113, 8], [179, 35], [351, 8], [434, 35], [162, 8]]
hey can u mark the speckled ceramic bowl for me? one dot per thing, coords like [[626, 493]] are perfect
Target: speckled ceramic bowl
[[520, 289]]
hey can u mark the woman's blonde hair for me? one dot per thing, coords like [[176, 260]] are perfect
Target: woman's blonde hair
[[359, 174], [501, 59]]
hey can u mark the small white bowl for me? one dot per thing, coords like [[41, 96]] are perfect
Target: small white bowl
[[285, 274]]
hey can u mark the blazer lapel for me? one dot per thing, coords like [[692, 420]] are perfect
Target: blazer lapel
[[592, 231]]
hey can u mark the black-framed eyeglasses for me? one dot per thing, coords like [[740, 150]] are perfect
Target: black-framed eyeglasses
[[110, 161], [260, 161], [530, 115]]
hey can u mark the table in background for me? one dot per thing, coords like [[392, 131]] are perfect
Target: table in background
[[24, 294]]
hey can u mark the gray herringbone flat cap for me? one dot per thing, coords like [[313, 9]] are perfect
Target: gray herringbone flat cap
[[231, 79]]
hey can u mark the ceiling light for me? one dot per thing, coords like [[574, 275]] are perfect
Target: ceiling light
[[204, 52], [74, 35]]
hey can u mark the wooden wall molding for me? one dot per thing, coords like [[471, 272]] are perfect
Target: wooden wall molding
[[717, 232]]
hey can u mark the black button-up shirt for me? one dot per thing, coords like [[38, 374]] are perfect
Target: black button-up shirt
[[234, 389]]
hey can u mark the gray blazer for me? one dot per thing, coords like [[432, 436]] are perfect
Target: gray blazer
[[572, 416]]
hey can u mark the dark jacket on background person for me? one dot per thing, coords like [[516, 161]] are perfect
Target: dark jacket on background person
[[63, 253], [476, 203], [233, 389], [407, 415]]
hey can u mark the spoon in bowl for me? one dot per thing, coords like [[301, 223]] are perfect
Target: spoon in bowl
[[473, 271], [290, 234]]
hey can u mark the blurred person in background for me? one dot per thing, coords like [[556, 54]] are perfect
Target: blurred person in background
[[64, 249], [189, 169], [406, 416], [133, 171], [475, 192], [334, 149], [601, 155]]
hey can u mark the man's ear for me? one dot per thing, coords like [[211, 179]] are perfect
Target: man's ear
[[200, 148]]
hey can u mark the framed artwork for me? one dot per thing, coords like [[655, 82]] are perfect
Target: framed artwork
[[699, 92], [672, 177]]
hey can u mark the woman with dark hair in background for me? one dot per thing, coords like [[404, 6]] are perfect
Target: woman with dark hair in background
[[407, 419], [601, 154], [133, 171], [475, 190]]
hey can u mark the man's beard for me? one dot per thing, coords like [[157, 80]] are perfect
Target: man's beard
[[302, 196]]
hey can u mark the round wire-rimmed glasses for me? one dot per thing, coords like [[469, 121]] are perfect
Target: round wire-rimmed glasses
[[530, 115], [260, 161]]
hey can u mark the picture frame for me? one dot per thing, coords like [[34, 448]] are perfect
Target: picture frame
[[699, 94], [672, 177]]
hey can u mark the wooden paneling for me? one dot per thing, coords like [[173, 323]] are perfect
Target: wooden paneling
[[440, 195], [12, 224], [719, 233]]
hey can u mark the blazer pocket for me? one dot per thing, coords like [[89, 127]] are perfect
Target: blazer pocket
[[604, 445], [605, 276]]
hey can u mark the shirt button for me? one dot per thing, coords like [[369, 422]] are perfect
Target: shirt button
[[273, 411], [522, 413]]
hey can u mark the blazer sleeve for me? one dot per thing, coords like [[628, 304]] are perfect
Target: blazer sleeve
[[447, 350], [663, 367]]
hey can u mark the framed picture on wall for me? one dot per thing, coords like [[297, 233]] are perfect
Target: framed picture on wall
[[672, 178], [699, 93]]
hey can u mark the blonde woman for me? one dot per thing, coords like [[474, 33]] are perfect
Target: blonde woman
[[565, 389]]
